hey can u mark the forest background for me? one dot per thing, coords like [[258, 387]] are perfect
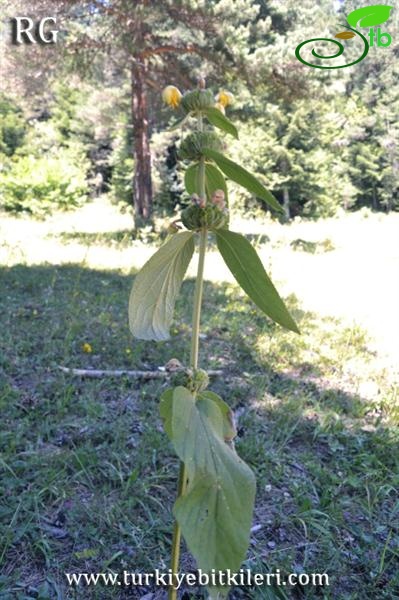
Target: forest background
[[84, 116], [89, 183]]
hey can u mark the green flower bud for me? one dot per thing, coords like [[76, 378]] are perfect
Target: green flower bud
[[211, 217], [195, 380], [180, 378], [200, 380], [197, 100], [190, 217], [192, 145]]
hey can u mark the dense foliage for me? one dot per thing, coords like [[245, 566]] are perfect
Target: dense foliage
[[323, 141], [44, 163]]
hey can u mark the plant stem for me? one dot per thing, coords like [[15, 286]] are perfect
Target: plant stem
[[194, 364], [198, 301], [172, 594], [174, 563]]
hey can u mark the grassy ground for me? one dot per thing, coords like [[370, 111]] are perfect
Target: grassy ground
[[87, 475]]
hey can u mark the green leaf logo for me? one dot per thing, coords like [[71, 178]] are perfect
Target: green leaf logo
[[369, 16]]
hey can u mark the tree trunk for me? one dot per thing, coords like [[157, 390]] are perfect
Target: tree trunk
[[142, 185]]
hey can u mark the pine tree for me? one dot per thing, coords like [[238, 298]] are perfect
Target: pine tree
[[374, 147]]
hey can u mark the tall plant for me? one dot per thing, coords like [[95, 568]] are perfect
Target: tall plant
[[216, 490]]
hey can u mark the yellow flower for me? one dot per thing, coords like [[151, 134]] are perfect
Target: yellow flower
[[225, 98], [220, 107], [128, 351], [171, 96], [87, 348]]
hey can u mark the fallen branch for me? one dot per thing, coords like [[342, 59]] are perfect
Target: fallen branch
[[125, 373]]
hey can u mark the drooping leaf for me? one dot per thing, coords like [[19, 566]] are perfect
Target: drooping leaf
[[241, 176], [214, 180], [156, 287], [218, 119], [215, 512], [165, 411], [369, 16], [247, 268], [229, 429]]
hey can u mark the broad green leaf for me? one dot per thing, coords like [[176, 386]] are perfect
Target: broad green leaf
[[156, 287], [369, 16], [214, 180], [242, 177], [215, 512], [229, 430], [165, 410], [218, 119], [190, 179], [247, 268]]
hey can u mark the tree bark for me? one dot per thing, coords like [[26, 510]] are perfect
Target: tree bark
[[142, 185]]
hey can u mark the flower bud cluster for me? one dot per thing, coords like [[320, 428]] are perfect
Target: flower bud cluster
[[195, 380], [192, 145], [196, 100], [200, 215]]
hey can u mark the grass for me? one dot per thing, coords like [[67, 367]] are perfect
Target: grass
[[88, 477]]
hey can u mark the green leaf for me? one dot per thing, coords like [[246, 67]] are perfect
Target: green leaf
[[165, 410], [247, 268], [369, 16], [242, 177], [190, 179], [156, 287], [218, 119], [229, 429], [215, 512], [214, 180]]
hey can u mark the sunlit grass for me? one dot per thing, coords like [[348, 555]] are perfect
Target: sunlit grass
[[351, 274], [87, 475]]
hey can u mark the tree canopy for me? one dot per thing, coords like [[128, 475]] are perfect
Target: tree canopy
[[322, 139]]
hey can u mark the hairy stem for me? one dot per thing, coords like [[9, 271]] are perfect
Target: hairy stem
[[174, 563], [198, 301], [194, 364]]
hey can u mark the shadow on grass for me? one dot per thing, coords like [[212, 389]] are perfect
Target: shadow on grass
[[122, 237], [87, 471]]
